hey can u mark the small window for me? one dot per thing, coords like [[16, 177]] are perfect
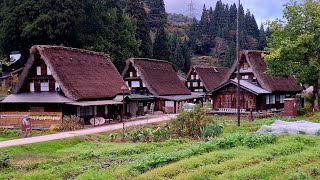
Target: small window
[[38, 70], [44, 86], [143, 85], [131, 74], [200, 90], [48, 71], [195, 84], [32, 87], [282, 97], [197, 76], [194, 77], [135, 84], [138, 75], [189, 84], [201, 84], [246, 77], [267, 100], [169, 104], [272, 99]]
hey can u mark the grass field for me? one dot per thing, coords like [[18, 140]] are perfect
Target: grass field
[[237, 154]]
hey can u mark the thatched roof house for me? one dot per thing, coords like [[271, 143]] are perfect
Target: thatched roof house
[[259, 68], [67, 81], [209, 76], [259, 90], [158, 76]]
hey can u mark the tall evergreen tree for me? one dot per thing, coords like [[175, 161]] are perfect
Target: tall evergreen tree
[[186, 53], [157, 14], [262, 38], [161, 45], [135, 8]]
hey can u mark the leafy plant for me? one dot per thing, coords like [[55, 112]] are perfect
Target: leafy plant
[[147, 134], [136, 135], [210, 131], [254, 140], [4, 159], [189, 123], [113, 136]]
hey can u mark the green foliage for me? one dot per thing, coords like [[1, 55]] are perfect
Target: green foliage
[[161, 45], [135, 9], [4, 159], [220, 24], [254, 140], [189, 123], [294, 45], [136, 134], [298, 175], [211, 131]]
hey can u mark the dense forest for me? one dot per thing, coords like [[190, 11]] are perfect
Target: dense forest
[[126, 28], [215, 33]]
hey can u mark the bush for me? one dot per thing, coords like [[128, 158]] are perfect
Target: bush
[[254, 140], [136, 135], [71, 123], [210, 131], [189, 123], [147, 135], [4, 159], [318, 132]]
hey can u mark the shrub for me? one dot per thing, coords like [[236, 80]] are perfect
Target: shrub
[[189, 123], [4, 159], [302, 132], [72, 123], [113, 136], [135, 135], [318, 132], [147, 134], [210, 130], [253, 140], [227, 142], [298, 175], [156, 134]]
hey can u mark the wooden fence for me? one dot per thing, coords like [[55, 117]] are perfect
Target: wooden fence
[[38, 119]]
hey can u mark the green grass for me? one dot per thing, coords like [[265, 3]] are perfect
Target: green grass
[[93, 157]]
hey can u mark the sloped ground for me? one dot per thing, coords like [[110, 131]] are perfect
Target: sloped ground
[[238, 154]]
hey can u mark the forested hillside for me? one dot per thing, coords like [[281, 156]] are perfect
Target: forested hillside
[[126, 28], [215, 33]]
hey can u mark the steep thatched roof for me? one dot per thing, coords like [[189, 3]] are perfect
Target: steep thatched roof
[[211, 76], [159, 76], [81, 74], [266, 81]]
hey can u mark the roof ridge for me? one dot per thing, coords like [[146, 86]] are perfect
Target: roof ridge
[[154, 60], [71, 49]]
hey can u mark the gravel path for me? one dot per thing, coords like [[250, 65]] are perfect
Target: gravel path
[[83, 132]]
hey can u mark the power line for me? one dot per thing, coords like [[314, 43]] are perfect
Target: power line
[[191, 10]]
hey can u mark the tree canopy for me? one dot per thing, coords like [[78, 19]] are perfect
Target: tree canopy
[[294, 44]]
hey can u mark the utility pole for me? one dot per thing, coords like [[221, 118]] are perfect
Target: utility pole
[[191, 10], [238, 63]]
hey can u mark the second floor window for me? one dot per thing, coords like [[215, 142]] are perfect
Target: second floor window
[[44, 86], [38, 70], [135, 84], [48, 71]]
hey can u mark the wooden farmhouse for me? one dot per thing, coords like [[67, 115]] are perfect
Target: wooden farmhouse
[[202, 79], [157, 79], [259, 90], [67, 81]]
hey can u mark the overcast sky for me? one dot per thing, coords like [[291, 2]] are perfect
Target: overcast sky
[[262, 9]]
